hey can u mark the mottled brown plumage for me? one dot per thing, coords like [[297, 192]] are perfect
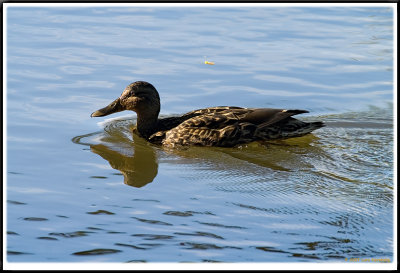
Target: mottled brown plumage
[[223, 126]]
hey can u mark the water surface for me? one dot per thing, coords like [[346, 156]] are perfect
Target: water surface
[[87, 190]]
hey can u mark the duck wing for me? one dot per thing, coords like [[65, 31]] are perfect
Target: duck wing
[[259, 116], [264, 117]]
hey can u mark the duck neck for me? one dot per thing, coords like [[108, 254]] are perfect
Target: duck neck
[[146, 125]]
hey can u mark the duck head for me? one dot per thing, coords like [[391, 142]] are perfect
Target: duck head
[[140, 97]]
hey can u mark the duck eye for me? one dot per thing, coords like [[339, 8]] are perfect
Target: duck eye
[[141, 96]]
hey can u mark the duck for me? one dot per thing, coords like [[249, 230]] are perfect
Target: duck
[[221, 126]]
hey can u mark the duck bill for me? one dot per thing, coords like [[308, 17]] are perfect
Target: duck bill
[[112, 108]]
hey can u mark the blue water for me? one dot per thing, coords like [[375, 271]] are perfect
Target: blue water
[[81, 189]]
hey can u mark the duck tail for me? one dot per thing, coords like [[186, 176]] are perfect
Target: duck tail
[[290, 128], [305, 129], [316, 125]]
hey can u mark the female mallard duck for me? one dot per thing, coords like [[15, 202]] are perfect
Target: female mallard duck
[[224, 126]]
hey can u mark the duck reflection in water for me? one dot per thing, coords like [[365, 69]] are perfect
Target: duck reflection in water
[[137, 162], [138, 170]]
